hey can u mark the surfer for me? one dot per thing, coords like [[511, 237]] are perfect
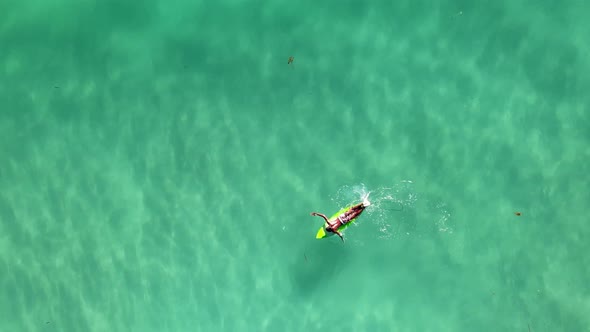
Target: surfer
[[338, 221]]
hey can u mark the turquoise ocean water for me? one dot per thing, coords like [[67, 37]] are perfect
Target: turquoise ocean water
[[159, 161]]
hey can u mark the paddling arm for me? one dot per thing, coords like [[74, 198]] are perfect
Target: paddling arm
[[321, 215], [339, 234]]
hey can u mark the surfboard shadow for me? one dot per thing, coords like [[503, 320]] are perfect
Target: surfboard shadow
[[318, 266]]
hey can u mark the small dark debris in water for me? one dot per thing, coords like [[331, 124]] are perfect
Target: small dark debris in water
[[56, 87], [517, 214], [290, 60]]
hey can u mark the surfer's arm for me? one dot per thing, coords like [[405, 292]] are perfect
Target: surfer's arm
[[321, 215], [339, 234]]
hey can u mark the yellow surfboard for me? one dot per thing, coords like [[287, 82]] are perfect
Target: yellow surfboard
[[322, 231]]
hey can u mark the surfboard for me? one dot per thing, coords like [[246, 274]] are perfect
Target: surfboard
[[322, 232]]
